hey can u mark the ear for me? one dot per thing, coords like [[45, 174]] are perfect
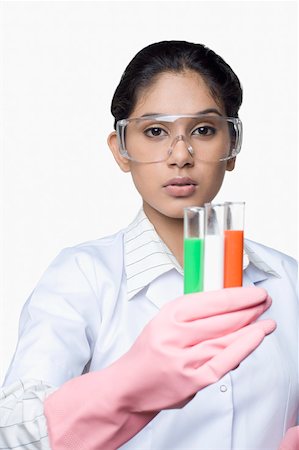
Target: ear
[[230, 164], [123, 163]]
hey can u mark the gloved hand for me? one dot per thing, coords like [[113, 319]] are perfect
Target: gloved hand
[[291, 439], [191, 343]]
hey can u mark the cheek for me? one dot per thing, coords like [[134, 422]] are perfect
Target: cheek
[[143, 180], [211, 180]]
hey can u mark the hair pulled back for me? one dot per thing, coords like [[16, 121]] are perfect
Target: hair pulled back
[[176, 57]]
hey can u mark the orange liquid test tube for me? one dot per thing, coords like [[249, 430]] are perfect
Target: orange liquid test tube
[[233, 244]]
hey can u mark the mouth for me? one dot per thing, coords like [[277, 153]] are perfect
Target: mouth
[[180, 187]]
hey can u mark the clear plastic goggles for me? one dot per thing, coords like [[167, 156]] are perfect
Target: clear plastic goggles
[[153, 138]]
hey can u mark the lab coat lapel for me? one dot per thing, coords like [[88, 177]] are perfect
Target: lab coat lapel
[[252, 275], [169, 285], [165, 288]]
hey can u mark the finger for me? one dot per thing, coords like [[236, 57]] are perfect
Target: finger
[[230, 357], [191, 333], [204, 351], [206, 304]]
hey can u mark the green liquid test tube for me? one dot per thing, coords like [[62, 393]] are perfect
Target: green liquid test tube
[[193, 249]]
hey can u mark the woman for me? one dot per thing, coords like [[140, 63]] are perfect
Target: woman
[[111, 354]]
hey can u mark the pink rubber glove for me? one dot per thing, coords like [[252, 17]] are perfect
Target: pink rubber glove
[[291, 439], [191, 343]]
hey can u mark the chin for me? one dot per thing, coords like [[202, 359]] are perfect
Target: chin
[[176, 215], [176, 212], [174, 209], [179, 207]]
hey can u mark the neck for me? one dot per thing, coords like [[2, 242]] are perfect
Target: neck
[[170, 231]]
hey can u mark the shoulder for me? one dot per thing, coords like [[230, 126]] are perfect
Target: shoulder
[[104, 249], [283, 264], [99, 244], [271, 254], [89, 263]]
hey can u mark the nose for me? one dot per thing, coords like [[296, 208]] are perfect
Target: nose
[[180, 152]]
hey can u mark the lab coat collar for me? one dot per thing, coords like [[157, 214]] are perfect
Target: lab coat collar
[[147, 258], [257, 270]]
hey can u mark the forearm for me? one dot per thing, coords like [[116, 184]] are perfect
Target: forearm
[[91, 412], [108, 423]]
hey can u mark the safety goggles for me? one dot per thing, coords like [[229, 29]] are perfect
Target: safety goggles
[[153, 138]]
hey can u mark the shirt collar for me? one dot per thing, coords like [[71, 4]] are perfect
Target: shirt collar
[[147, 256]]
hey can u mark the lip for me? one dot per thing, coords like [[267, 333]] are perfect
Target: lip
[[180, 181], [180, 187]]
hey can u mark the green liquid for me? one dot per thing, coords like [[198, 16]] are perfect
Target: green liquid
[[193, 265]]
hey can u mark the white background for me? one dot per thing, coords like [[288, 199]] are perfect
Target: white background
[[61, 64]]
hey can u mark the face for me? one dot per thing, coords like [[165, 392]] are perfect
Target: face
[[167, 187]]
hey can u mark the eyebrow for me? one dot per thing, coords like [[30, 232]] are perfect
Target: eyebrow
[[210, 110], [205, 111]]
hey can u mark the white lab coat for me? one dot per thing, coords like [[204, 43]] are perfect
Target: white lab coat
[[79, 318]]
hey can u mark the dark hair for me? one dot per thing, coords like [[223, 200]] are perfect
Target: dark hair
[[176, 56]]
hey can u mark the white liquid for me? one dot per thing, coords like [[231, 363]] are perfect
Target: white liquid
[[213, 262]]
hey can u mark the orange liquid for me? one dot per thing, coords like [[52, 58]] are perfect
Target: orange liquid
[[233, 257]]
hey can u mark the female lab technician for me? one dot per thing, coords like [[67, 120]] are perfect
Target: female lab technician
[[111, 354]]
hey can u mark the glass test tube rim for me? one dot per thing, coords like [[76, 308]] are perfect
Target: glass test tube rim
[[216, 204], [234, 203], [200, 211], [235, 206], [209, 206], [193, 208]]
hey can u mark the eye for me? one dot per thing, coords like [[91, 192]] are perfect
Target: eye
[[205, 130], [155, 132]]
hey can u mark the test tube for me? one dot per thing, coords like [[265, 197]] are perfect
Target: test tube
[[233, 243], [193, 249], [214, 246]]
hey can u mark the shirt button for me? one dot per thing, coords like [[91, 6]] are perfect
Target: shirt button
[[223, 388]]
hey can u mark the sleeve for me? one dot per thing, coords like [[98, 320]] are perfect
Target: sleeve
[[57, 331], [59, 322], [22, 420]]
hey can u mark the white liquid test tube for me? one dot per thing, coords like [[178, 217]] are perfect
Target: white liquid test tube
[[214, 247]]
